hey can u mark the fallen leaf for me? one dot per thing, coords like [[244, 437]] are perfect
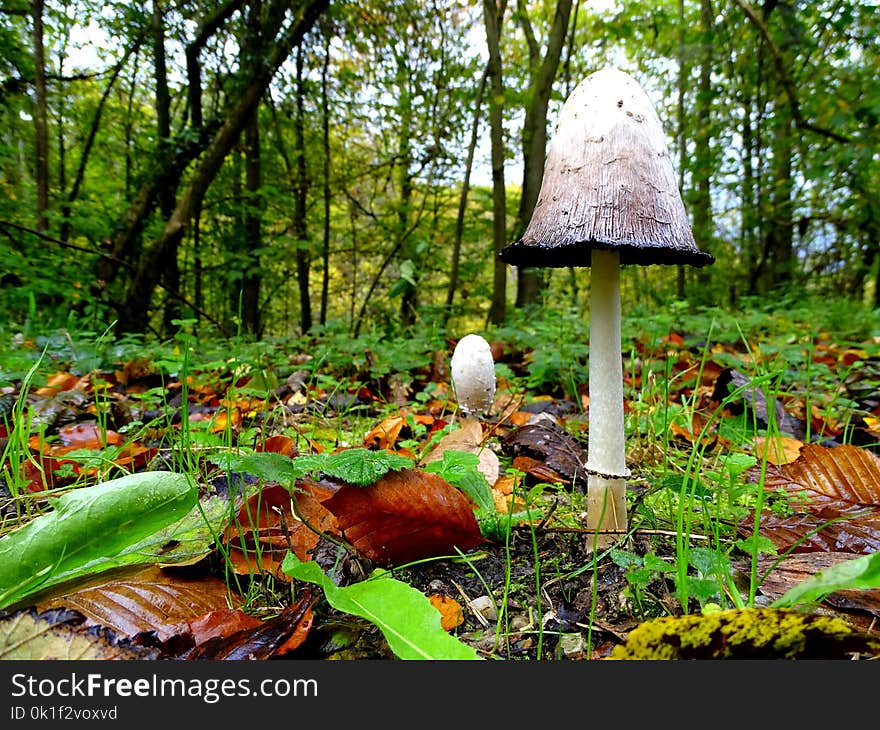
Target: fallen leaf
[[793, 570], [152, 599], [451, 613], [266, 527], [469, 438], [405, 516], [777, 450], [268, 639], [548, 451], [60, 634], [88, 435], [839, 485]]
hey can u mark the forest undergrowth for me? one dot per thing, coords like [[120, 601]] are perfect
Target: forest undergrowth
[[326, 498]]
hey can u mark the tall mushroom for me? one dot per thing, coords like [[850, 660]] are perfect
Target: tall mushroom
[[609, 197]]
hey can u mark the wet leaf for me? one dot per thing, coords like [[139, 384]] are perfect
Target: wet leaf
[[406, 515], [793, 570], [152, 599], [835, 497], [88, 525], [268, 639], [266, 527], [862, 572], [549, 453]]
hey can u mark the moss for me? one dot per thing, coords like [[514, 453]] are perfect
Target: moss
[[757, 633]]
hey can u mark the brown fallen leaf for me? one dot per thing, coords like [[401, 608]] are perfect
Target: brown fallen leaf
[[152, 599], [272, 638], [839, 485], [549, 453], [385, 434], [404, 516], [266, 527], [61, 634], [451, 613], [859, 607], [777, 450]]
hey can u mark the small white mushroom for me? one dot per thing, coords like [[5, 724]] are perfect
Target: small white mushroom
[[473, 374]]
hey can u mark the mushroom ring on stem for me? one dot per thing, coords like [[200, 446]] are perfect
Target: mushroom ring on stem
[[609, 197]]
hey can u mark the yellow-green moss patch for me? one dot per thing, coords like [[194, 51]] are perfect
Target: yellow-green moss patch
[[756, 633]]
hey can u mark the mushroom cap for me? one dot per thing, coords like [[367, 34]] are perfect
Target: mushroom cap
[[473, 374], [608, 184]]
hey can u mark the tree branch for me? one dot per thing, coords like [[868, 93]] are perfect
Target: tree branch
[[784, 77]]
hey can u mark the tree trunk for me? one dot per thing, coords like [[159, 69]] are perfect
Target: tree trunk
[[171, 269], [683, 72], [252, 280], [300, 195], [530, 282], [41, 118], [325, 174], [492, 15], [462, 200], [134, 310], [703, 167]]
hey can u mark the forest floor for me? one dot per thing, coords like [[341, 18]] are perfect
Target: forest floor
[[753, 460]]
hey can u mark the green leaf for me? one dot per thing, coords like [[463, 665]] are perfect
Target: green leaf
[[861, 573], [410, 624], [461, 469], [362, 466], [268, 465], [355, 466], [89, 524]]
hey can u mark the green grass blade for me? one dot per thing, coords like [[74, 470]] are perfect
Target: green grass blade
[[409, 622]]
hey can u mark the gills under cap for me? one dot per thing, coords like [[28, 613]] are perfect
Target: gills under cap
[[608, 184]]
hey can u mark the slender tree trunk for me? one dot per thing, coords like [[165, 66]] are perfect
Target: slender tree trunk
[[300, 195], [252, 280], [41, 118], [409, 295], [325, 174], [463, 198], [683, 72], [702, 171], [171, 269], [492, 15], [530, 282]]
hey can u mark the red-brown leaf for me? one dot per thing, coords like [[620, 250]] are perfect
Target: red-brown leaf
[[406, 515], [266, 528], [271, 638]]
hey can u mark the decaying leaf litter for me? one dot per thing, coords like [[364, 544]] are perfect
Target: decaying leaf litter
[[537, 588]]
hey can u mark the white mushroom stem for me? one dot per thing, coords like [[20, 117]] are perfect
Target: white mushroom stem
[[606, 487]]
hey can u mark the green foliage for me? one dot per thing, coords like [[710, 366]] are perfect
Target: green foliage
[[355, 465], [460, 468], [87, 528], [408, 621]]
